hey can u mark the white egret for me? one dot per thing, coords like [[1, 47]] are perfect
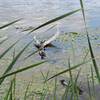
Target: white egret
[[41, 45]]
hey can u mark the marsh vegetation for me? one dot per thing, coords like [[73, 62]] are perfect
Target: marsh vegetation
[[62, 67]]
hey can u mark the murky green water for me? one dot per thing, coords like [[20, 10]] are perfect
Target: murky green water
[[36, 12]]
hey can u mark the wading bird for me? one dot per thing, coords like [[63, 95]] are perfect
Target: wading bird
[[41, 45], [64, 83]]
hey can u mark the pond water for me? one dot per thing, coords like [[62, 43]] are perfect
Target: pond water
[[36, 12]]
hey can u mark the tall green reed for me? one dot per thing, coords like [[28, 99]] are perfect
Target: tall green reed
[[89, 44]]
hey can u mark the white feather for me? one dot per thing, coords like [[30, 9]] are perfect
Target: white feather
[[53, 37], [65, 83], [36, 40]]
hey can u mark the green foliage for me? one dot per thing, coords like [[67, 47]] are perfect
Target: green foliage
[[67, 70], [89, 44], [55, 19], [72, 87]]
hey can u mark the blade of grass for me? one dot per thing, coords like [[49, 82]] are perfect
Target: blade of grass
[[45, 86], [13, 53], [84, 58], [27, 29], [65, 95], [82, 7], [44, 93], [72, 82], [44, 31], [67, 70], [6, 51], [93, 82], [77, 89], [14, 61], [50, 28], [89, 43], [54, 20], [93, 60], [31, 54], [8, 24], [7, 95], [89, 88], [22, 69], [45, 77], [14, 88], [55, 90], [27, 88], [3, 41], [9, 92]]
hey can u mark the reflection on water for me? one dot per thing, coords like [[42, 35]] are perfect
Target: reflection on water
[[38, 11]]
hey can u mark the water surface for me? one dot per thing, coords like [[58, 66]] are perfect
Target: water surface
[[36, 12]]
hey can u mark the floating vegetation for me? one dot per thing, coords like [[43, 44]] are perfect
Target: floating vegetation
[[49, 82]]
